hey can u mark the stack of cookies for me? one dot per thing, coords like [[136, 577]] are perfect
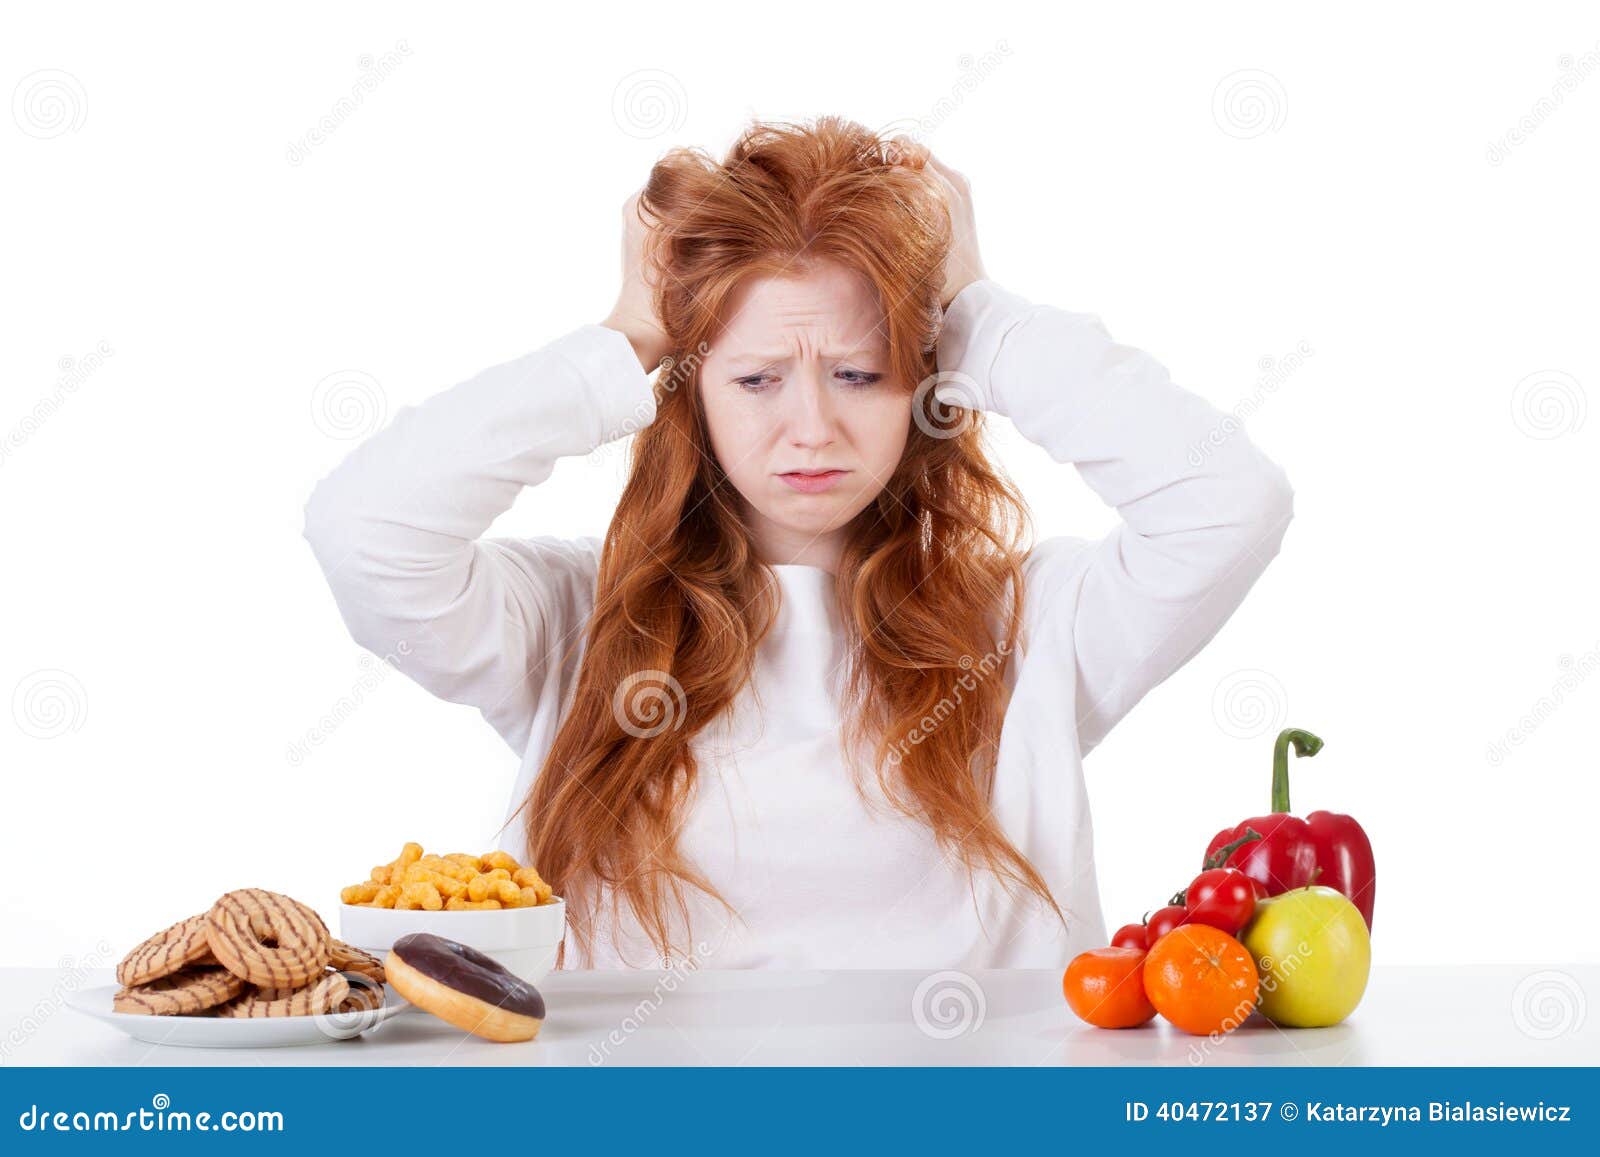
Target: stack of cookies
[[253, 953]]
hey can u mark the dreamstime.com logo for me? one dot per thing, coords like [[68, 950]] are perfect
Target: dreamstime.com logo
[[72, 975], [1274, 372], [374, 71], [1549, 404], [956, 397], [1250, 703], [1549, 1004], [1574, 672], [348, 404], [1574, 70], [671, 375], [948, 1004], [1273, 973], [943, 709], [647, 703], [1249, 103], [49, 103], [974, 70], [74, 372], [374, 671], [160, 1117], [649, 103], [665, 984], [50, 703]]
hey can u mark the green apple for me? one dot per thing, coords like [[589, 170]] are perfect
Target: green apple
[[1313, 951]]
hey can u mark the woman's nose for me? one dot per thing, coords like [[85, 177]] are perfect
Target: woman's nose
[[810, 415]]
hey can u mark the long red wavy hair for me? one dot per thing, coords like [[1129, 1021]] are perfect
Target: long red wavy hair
[[929, 578]]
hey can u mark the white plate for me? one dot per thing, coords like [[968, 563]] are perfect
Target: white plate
[[217, 1032]]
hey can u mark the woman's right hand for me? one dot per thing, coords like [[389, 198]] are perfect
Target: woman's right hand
[[634, 314]]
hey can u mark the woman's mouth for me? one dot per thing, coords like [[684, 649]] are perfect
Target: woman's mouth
[[813, 481]]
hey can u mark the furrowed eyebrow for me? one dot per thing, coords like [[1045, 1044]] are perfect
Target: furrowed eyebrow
[[780, 358]]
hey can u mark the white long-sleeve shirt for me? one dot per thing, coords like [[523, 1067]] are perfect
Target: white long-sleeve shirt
[[818, 879]]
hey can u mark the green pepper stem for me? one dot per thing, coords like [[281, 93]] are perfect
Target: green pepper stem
[[1219, 857], [1304, 744]]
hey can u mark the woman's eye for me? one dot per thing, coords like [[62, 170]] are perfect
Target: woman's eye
[[756, 383]]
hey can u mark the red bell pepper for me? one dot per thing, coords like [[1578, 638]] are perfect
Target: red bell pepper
[[1281, 851]]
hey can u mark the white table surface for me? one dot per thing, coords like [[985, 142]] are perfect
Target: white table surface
[[1501, 1015]]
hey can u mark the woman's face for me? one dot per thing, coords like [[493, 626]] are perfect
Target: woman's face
[[799, 381]]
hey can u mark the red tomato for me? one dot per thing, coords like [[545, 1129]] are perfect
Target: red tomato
[[1130, 936], [1164, 920], [1224, 898]]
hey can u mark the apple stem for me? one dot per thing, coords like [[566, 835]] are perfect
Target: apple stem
[[1304, 744]]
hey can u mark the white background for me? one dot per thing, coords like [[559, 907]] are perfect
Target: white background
[[1218, 187]]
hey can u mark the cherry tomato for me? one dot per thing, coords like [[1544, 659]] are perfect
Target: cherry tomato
[[1130, 936], [1224, 898], [1164, 920]]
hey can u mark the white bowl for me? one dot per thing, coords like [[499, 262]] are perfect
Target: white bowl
[[525, 940]]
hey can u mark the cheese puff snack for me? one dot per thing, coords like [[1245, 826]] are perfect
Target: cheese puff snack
[[454, 882]]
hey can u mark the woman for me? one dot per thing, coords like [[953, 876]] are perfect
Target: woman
[[811, 702]]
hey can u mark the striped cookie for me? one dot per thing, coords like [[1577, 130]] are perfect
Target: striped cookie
[[166, 952], [267, 938], [193, 990], [324, 994], [349, 958], [365, 995]]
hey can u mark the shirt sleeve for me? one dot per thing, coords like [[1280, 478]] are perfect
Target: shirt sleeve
[[395, 527], [1202, 510]]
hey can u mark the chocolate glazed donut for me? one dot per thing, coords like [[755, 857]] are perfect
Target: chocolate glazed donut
[[463, 987]]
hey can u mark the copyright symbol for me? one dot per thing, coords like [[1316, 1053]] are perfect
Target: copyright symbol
[[1288, 1110]]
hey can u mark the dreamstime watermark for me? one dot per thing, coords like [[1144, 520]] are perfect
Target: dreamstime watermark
[[666, 984], [1272, 972], [671, 375], [49, 103], [949, 412], [647, 703], [949, 1004], [1274, 372], [374, 672], [1548, 1004], [73, 373], [348, 404], [647, 103], [1549, 404], [1574, 71], [974, 70], [1249, 103], [942, 710], [1574, 671], [50, 703], [1250, 703], [374, 71], [361, 1011], [72, 975]]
